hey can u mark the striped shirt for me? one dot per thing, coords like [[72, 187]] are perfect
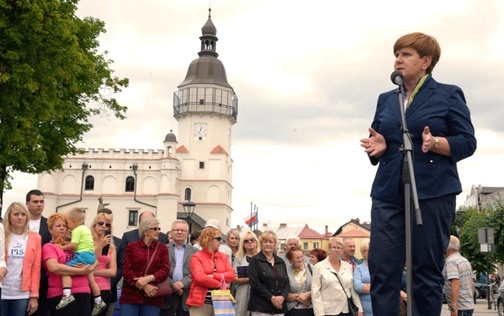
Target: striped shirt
[[457, 267]]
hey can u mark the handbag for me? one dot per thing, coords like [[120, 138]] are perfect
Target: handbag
[[352, 309], [164, 287], [300, 312], [223, 301]]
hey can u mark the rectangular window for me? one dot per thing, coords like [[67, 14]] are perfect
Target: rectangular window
[[305, 245], [316, 245], [133, 218], [202, 165]]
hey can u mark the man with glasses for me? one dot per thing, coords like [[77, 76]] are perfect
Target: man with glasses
[[179, 254]]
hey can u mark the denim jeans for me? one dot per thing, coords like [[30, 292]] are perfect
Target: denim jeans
[[465, 313], [139, 310], [15, 307]]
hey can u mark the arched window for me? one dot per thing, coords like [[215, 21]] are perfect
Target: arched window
[[130, 184], [89, 185], [187, 194]]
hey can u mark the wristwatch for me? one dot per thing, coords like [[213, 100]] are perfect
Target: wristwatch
[[453, 309], [436, 144]]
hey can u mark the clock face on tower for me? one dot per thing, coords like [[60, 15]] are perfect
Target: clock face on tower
[[200, 129]]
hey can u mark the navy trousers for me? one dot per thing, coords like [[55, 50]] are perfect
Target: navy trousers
[[387, 254]]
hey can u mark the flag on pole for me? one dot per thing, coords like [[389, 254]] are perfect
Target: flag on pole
[[252, 219]]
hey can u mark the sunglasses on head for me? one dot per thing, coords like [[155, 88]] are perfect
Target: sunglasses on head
[[218, 238], [101, 223]]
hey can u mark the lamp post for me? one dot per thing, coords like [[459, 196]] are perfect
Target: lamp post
[[189, 211]]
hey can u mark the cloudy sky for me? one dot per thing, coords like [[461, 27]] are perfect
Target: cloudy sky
[[307, 74]]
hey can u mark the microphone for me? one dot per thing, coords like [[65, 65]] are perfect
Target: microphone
[[397, 78]]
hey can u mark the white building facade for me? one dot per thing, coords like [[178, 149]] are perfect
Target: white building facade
[[197, 167]]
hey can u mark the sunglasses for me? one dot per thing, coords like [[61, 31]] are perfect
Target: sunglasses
[[101, 223], [249, 240], [218, 238], [156, 229]]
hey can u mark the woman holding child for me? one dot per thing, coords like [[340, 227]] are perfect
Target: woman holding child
[[54, 259]]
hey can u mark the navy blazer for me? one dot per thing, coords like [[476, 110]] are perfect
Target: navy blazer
[[443, 109]]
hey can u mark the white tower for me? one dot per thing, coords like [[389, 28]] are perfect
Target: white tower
[[206, 108]]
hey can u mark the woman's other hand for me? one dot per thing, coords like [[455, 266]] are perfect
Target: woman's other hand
[[375, 145], [150, 290], [277, 301], [32, 306]]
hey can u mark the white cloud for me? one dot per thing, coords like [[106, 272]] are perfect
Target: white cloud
[[307, 76]]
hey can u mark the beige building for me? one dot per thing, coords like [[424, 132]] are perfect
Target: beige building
[[197, 167]]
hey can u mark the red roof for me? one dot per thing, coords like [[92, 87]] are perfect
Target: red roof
[[182, 149], [354, 233], [218, 150], [308, 233]]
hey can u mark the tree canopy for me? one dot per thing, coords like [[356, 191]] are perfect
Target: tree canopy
[[52, 80], [468, 222]]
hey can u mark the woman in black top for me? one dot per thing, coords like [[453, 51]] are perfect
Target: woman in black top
[[269, 283]]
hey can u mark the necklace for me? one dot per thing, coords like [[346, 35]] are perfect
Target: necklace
[[269, 259]]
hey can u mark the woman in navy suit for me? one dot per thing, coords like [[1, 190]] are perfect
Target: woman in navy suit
[[442, 134]]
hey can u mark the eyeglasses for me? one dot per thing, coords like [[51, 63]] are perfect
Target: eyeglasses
[[249, 240], [179, 230], [101, 223], [336, 248], [156, 229], [218, 238]]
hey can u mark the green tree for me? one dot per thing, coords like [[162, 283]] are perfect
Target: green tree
[[472, 220], [52, 80]]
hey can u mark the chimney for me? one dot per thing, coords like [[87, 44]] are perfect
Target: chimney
[[265, 224], [326, 229], [283, 225]]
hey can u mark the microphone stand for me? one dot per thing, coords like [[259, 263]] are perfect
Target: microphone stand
[[409, 188]]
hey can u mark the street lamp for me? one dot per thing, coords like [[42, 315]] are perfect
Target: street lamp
[[189, 211]]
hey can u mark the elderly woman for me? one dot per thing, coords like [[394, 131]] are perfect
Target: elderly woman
[[54, 259], [269, 282], [300, 280], [23, 251], [105, 252], [146, 261], [248, 247], [317, 255], [439, 122], [332, 283], [208, 267], [362, 280]]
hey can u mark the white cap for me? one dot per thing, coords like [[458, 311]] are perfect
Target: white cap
[[212, 223]]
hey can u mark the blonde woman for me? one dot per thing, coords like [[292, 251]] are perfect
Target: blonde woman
[[248, 247], [332, 283], [269, 283], [233, 240], [20, 287], [105, 252]]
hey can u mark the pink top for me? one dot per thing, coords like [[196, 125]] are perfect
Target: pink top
[[79, 282], [103, 282]]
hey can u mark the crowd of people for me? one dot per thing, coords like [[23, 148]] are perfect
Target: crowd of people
[[58, 266]]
